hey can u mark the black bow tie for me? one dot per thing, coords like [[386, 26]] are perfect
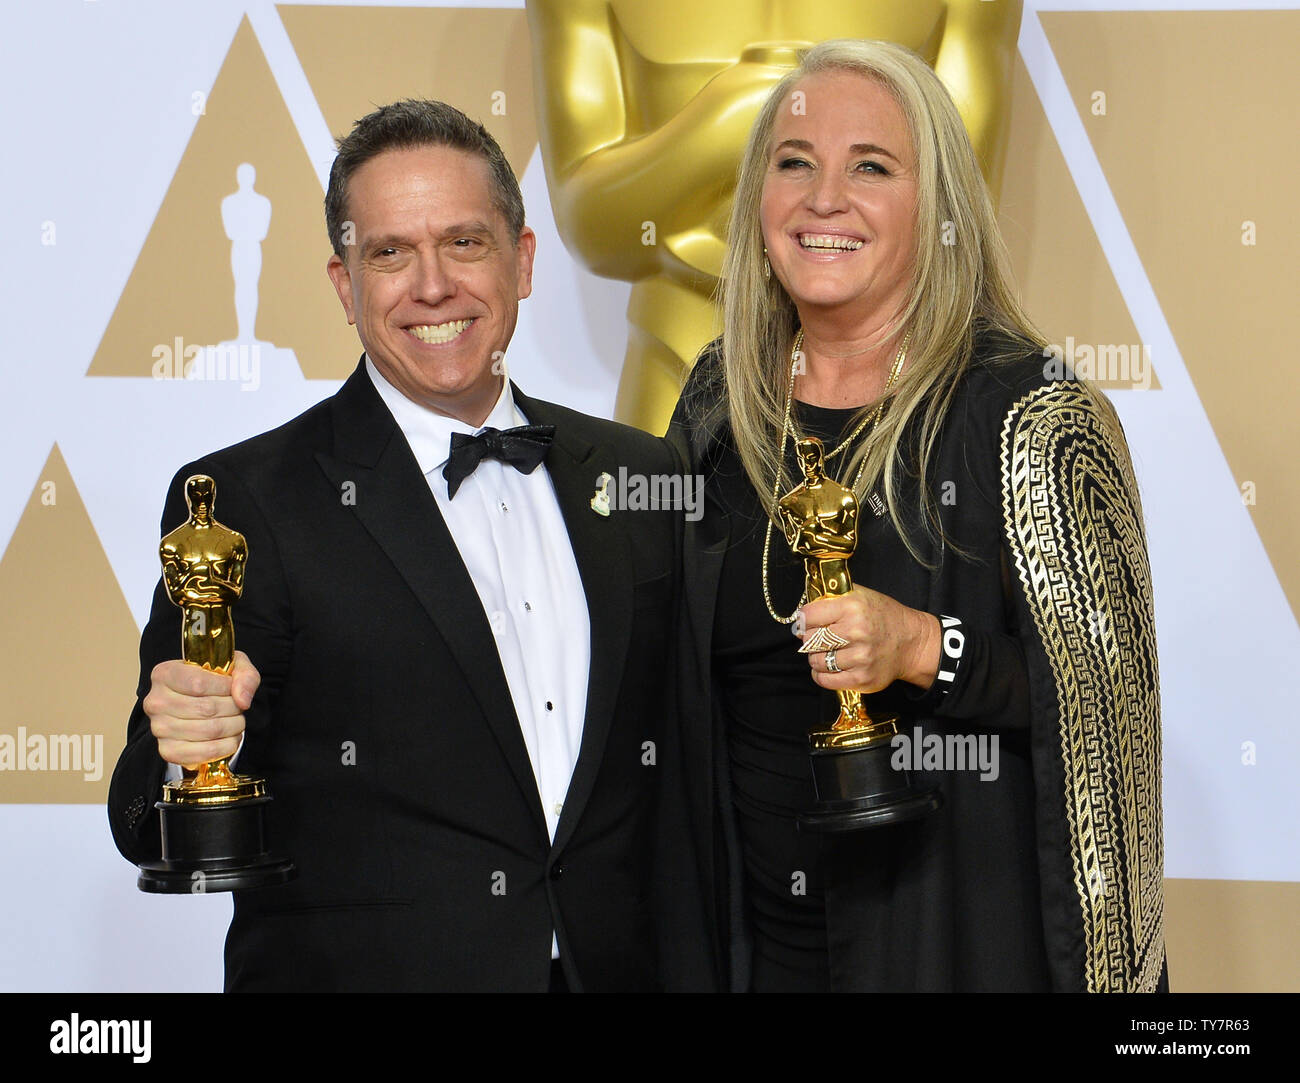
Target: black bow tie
[[523, 448]]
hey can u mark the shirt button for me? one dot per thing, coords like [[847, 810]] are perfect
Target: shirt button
[[528, 607], [504, 509], [549, 705], [559, 805]]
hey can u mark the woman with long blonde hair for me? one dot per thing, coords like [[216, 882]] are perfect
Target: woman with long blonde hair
[[1001, 608]]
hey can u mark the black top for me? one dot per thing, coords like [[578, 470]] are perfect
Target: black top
[[771, 704]]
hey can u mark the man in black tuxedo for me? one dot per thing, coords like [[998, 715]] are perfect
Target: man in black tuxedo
[[459, 692]]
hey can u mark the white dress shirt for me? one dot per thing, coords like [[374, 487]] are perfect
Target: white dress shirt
[[513, 540], [511, 535]]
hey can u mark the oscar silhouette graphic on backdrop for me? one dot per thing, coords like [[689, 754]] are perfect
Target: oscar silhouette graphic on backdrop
[[246, 216], [246, 219]]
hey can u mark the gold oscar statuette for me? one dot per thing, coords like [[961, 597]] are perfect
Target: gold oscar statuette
[[213, 834], [856, 783]]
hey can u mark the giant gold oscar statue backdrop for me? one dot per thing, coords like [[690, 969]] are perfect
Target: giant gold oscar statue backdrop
[[645, 111]]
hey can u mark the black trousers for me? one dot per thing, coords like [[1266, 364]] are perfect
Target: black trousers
[[559, 984]]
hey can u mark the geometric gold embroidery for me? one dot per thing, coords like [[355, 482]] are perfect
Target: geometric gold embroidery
[[1074, 523]]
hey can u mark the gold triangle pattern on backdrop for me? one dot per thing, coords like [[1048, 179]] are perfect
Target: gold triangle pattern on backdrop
[[182, 285], [478, 60], [1232, 936], [1190, 188], [1060, 268], [66, 621]]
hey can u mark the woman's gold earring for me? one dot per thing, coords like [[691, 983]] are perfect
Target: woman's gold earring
[[767, 266]]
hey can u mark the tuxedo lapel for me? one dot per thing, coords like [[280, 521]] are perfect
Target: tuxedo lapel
[[373, 464], [603, 555]]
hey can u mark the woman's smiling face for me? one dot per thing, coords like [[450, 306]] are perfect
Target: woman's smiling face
[[838, 210]]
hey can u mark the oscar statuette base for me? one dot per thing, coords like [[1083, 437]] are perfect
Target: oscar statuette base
[[858, 787], [209, 847]]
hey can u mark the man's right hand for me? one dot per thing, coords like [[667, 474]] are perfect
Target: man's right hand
[[196, 714]]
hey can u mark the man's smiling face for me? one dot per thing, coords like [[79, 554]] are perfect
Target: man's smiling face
[[434, 280]]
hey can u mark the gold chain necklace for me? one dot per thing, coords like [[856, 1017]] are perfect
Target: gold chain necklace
[[787, 429]]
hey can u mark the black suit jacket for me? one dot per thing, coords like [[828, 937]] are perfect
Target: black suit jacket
[[401, 785]]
